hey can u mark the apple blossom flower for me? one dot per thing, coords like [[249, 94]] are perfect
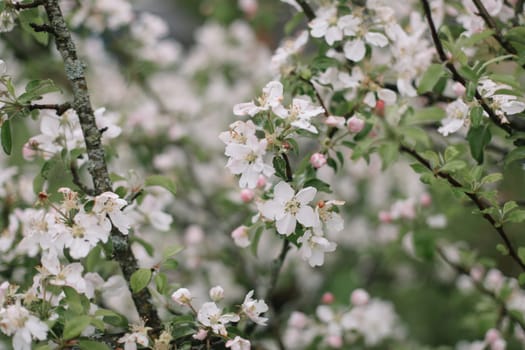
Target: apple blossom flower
[[253, 308], [238, 343], [300, 112], [201, 334], [502, 104], [457, 117], [139, 335], [270, 99], [209, 315], [313, 248], [17, 322], [328, 217], [326, 25], [286, 49], [287, 207], [109, 203], [355, 48]]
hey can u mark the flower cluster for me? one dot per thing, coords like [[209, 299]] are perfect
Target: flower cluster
[[211, 317]]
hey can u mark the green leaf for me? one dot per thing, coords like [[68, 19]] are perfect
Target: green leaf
[[521, 278], [162, 181], [171, 251], [453, 166], [74, 326], [5, 136], [319, 185], [516, 216], [279, 165], [430, 78], [389, 153], [35, 89], [161, 282], [478, 138], [491, 178], [476, 116], [515, 154], [451, 153], [502, 249], [92, 345], [425, 116], [414, 135], [521, 253], [140, 279]]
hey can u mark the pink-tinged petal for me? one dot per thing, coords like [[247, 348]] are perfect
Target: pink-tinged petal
[[270, 209], [286, 225], [245, 108], [355, 50], [306, 216], [283, 192], [306, 195], [376, 39]]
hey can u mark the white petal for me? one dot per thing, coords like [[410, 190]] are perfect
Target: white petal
[[355, 50], [306, 216], [376, 39], [306, 195], [283, 192], [333, 34], [286, 225], [387, 95]]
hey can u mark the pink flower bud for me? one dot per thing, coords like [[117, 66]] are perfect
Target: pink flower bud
[[355, 124], [201, 334], [385, 217], [459, 89], [318, 160], [247, 195], [499, 344], [327, 298], [380, 108], [335, 341], [492, 336], [425, 200], [261, 182], [359, 297]]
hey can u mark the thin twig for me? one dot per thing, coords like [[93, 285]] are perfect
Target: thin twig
[[481, 288], [480, 202], [491, 23], [508, 128], [59, 108], [307, 9], [77, 181], [97, 166]]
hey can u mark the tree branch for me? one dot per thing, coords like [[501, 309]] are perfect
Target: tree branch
[[481, 288], [491, 23], [508, 128], [480, 202], [97, 166]]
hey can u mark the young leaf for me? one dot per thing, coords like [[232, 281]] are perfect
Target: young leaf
[[140, 280], [74, 326], [430, 78], [162, 181], [478, 138]]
